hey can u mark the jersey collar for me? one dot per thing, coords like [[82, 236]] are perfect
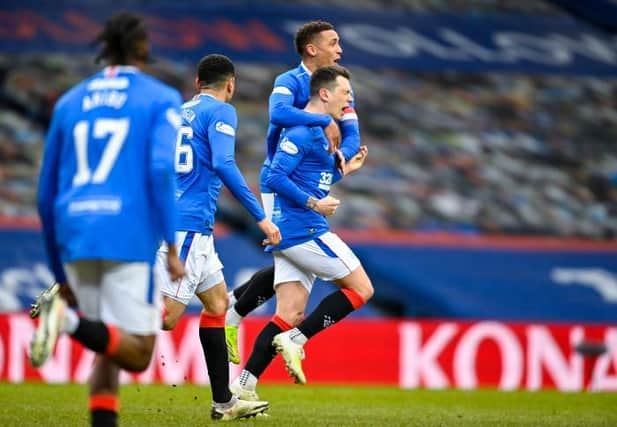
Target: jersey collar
[[305, 68], [114, 70], [204, 94]]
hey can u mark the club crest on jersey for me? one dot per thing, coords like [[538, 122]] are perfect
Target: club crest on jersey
[[288, 146], [224, 128], [188, 114]]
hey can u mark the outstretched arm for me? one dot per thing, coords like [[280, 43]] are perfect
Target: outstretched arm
[[282, 110]]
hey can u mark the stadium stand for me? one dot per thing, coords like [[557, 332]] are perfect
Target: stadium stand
[[487, 153], [440, 6]]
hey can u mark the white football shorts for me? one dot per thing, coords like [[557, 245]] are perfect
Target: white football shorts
[[267, 200], [326, 257], [202, 267], [123, 294]]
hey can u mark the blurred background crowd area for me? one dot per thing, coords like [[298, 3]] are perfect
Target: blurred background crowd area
[[496, 153], [535, 7], [525, 7]]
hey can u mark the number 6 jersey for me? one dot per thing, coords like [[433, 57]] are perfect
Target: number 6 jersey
[[205, 158]]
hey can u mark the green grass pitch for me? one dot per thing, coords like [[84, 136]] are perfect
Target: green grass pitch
[[37, 404]]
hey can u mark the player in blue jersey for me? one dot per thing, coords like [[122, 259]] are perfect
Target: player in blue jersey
[[205, 160], [318, 45], [106, 200], [302, 172]]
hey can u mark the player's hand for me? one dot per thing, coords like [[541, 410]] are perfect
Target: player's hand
[[272, 232], [175, 267], [327, 206], [355, 163], [333, 134]]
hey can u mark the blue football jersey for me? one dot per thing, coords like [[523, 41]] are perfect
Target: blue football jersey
[[301, 167], [205, 159], [289, 96], [106, 187]]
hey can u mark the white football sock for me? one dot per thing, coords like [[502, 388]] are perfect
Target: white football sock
[[232, 298], [247, 380], [298, 337], [233, 318]]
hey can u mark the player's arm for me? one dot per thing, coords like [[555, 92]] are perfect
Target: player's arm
[[162, 181], [283, 164], [287, 157], [282, 110], [222, 137], [350, 133], [47, 193]]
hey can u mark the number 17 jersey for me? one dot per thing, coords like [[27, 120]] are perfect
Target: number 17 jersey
[[106, 188]]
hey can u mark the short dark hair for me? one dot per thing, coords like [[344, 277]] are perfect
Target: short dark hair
[[326, 77], [307, 32], [214, 70], [124, 36]]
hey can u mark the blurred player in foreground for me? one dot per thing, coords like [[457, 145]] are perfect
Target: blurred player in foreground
[[106, 200]]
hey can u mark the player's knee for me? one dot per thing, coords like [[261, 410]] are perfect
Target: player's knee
[[297, 318], [169, 323], [172, 313], [140, 364], [366, 290], [141, 355], [215, 301], [218, 306], [170, 319]]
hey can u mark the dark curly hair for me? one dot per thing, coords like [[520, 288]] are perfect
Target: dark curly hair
[[124, 38], [214, 70]]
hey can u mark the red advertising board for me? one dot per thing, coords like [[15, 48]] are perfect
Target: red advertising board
[[407, 353]]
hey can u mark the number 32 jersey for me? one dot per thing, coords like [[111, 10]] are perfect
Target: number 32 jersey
[[302, 166], [106, 187]]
